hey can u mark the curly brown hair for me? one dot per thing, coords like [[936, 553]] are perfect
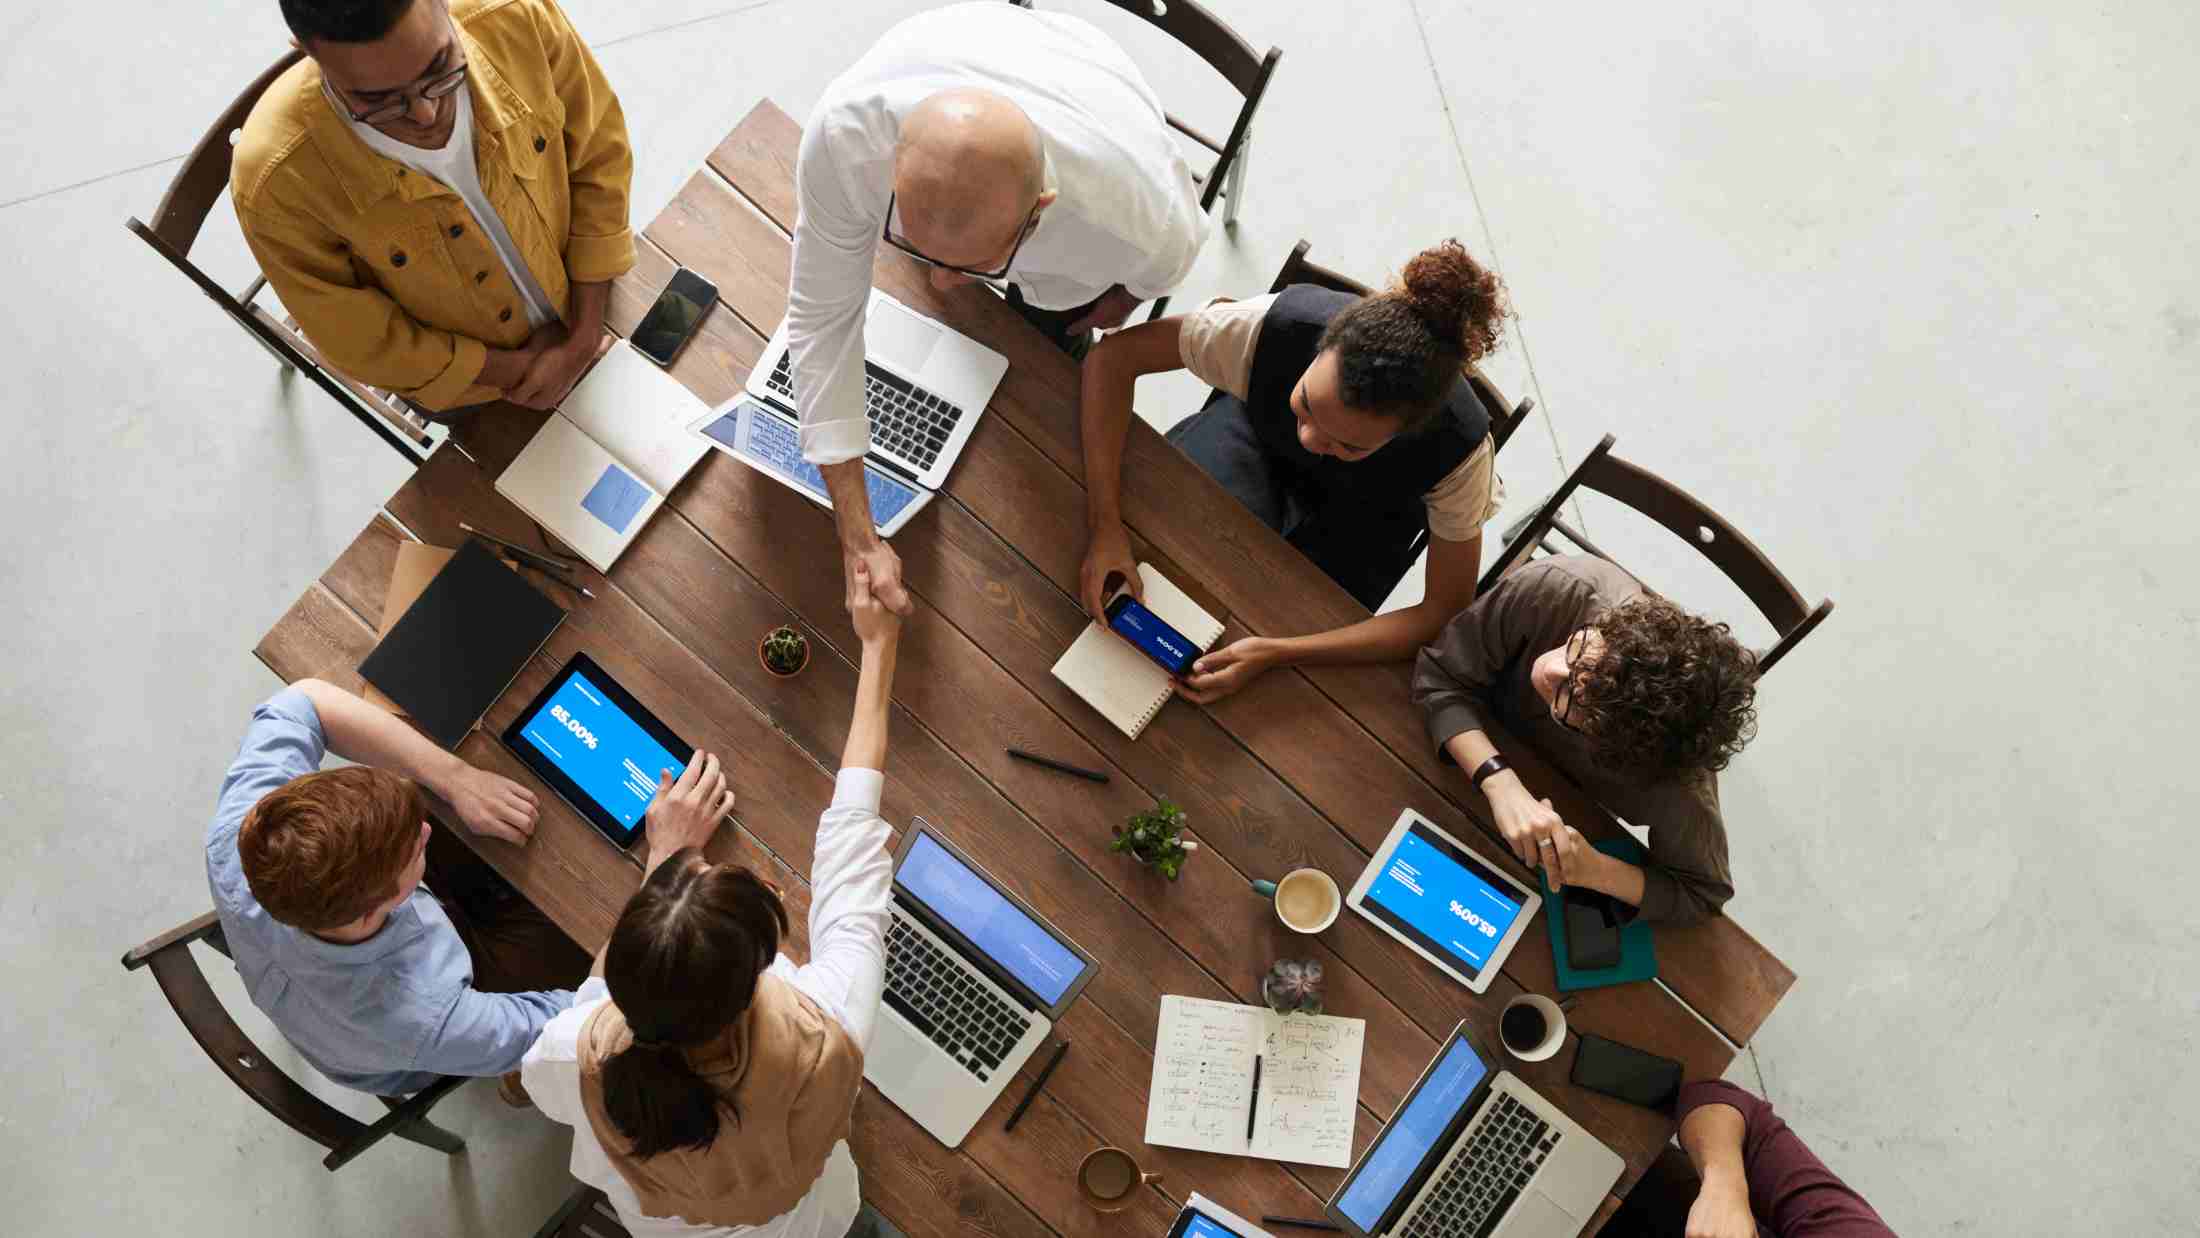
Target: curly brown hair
[[1668, 693], [1399, 351]]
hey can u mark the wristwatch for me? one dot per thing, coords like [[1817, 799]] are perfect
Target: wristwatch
[[1482, 772]]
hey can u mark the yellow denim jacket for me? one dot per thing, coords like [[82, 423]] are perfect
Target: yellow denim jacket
[[382, 266]]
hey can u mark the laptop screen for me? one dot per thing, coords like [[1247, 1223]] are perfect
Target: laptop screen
[[969, 904], [1387, 1170]]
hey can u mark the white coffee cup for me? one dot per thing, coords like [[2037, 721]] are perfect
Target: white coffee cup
[[1306, 900], [1554, 1028]]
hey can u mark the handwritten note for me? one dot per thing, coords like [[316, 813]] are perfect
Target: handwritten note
[[1203, 1081]]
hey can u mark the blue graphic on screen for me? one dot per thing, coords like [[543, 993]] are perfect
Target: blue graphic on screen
[[1202, 1226], [612, 760], [1442, 902], [992, 923], [774, 442], [1158, 640], [1389, 1165]]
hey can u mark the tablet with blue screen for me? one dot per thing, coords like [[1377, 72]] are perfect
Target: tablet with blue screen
[[1451, 906], [597, 747], [1204, 1218]]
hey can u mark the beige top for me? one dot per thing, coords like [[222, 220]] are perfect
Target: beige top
[[1216, 343]]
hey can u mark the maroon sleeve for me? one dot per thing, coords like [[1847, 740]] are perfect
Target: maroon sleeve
[[1791, 1191]]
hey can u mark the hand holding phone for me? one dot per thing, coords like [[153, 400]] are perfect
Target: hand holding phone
[[1169, 648]]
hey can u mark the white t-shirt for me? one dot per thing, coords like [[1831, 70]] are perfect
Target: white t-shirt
[[453, 168], [849, 897]]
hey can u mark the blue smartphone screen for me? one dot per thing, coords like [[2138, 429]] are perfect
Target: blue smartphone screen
[[1157, 640]]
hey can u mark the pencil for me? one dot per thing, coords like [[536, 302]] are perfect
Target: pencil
[[1036, 1084], [1092, 775]]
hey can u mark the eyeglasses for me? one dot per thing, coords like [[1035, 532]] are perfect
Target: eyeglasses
[[886, 233], [437, 87], [1562, 701]]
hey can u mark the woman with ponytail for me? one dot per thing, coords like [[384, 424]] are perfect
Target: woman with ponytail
[[1345, 423], [709, 1081]]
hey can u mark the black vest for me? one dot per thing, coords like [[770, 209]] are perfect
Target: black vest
[[1363, 520]]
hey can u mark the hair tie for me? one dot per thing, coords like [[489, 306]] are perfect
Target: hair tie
[[653, 1046]]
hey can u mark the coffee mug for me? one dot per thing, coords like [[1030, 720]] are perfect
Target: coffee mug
[[1109, 1177], [1532, 1028], [1306, 899]]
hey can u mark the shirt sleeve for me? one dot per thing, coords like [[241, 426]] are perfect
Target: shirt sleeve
[[487, 1034], [550, 1070], [283, 741], [599, 159], [1467, 498], [1216, 342], [848, 905], [1791, 1192], [835, 242], [1455, 678], [1687, 877]]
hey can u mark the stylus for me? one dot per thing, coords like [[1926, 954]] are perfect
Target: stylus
[[1033, 757], [1036, 1084]]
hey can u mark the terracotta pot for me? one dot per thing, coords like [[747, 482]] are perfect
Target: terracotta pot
[[766, 662]]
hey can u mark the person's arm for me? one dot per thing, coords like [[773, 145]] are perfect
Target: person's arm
[[571, 349], [488, 804], [1109, 376], [685, 812], [1754, 1167], [486, 1034]]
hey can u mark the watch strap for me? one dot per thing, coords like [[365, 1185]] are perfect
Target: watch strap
[[1496, 764]]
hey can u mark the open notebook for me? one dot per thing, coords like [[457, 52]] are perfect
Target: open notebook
[[603, 464], [1123, 684]]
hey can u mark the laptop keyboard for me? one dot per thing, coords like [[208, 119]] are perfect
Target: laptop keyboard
[[906, 420], [1501, 1155], [942, 998]]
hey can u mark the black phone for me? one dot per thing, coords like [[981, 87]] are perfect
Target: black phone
[[1592, 931], [678, 311], [1626, 1072], [1157, 640]]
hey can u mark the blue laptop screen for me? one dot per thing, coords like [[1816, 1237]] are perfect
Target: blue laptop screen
[[1388, 1167], [971, 906], [1430, 891], [606, 754], [774, 443]]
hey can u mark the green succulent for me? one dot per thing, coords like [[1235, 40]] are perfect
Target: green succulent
[[1155, 838], [785, 650]]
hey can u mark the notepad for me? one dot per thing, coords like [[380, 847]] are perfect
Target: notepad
[[461, 643], [600, 468], [1126, 686], [1203, 1081]]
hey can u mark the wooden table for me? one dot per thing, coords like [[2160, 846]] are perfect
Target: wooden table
[[1301, 769]]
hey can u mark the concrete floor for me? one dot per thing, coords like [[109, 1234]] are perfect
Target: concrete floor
[[1907, 291]]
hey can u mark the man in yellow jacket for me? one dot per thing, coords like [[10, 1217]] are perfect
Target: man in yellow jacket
[[439, 194]]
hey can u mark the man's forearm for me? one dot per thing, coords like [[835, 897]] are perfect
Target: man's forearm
[[357, 731], [851, 504], [589, 304], [1712, 1138]]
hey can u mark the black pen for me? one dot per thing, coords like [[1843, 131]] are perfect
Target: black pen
[[1300, 1223], [1033, 757], [1254, 1107], [1036, 1084], [534, 559]]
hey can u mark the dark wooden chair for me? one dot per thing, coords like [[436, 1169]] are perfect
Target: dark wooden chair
[[177, 972], [1681, 514], [1213, 41], [198, 185], [584, 1214]]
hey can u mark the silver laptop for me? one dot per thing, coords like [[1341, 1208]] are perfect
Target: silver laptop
[[975, 980], [1471, 1154], [925, 385]]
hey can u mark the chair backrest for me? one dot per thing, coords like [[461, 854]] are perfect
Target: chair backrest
[[1504, 419], [204, 176], [1680, 513], [170, 960]]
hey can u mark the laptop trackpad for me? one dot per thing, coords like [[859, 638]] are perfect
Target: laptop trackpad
[[903, 341], [1534, 1213]]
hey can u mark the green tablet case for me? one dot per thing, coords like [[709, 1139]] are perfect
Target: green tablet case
[[1638, 956]]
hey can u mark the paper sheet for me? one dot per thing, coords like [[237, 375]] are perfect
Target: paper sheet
[[1203, 1081]]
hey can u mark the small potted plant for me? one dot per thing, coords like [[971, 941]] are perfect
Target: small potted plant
[[1293, 986], [1155, 838], [784, 652]]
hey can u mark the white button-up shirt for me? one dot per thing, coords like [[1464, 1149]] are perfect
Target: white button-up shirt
[[1128, 212]]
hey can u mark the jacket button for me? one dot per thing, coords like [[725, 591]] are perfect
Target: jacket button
[[401, 171], [505, 315], [540, 145], [397, 258], [481, 277], [458, 230]]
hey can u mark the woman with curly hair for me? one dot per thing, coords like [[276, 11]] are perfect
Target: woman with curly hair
[[1632, 697], [1344, 423]]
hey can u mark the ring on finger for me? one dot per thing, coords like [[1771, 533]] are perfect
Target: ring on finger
[[1545, 843]]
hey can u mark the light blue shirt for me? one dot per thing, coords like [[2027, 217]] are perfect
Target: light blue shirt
[[386, 1015]]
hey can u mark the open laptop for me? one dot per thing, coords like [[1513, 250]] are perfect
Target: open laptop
[[1470, 1154], [925, 386], [975, 980]]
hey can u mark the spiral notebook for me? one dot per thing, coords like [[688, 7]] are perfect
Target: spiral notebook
[[1126, 686]]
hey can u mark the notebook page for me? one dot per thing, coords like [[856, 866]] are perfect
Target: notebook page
[[574, 488], [639, 414], [1203, 1081], [1126, 686]]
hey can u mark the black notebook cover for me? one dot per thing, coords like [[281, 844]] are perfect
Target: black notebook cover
[[462, 643]]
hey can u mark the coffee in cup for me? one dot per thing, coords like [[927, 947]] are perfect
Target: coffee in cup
[[1532, 1027], [1109, 1177], [1306, 900]]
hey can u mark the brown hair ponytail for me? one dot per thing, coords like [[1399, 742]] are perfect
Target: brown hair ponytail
[[1399, 351], [682, 964]]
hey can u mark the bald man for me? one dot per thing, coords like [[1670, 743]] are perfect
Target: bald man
[[986, 141]]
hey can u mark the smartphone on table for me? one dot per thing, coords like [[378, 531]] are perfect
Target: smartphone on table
[[1626, 1072], [1592, 930], [678, 311], [1171, 649]]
